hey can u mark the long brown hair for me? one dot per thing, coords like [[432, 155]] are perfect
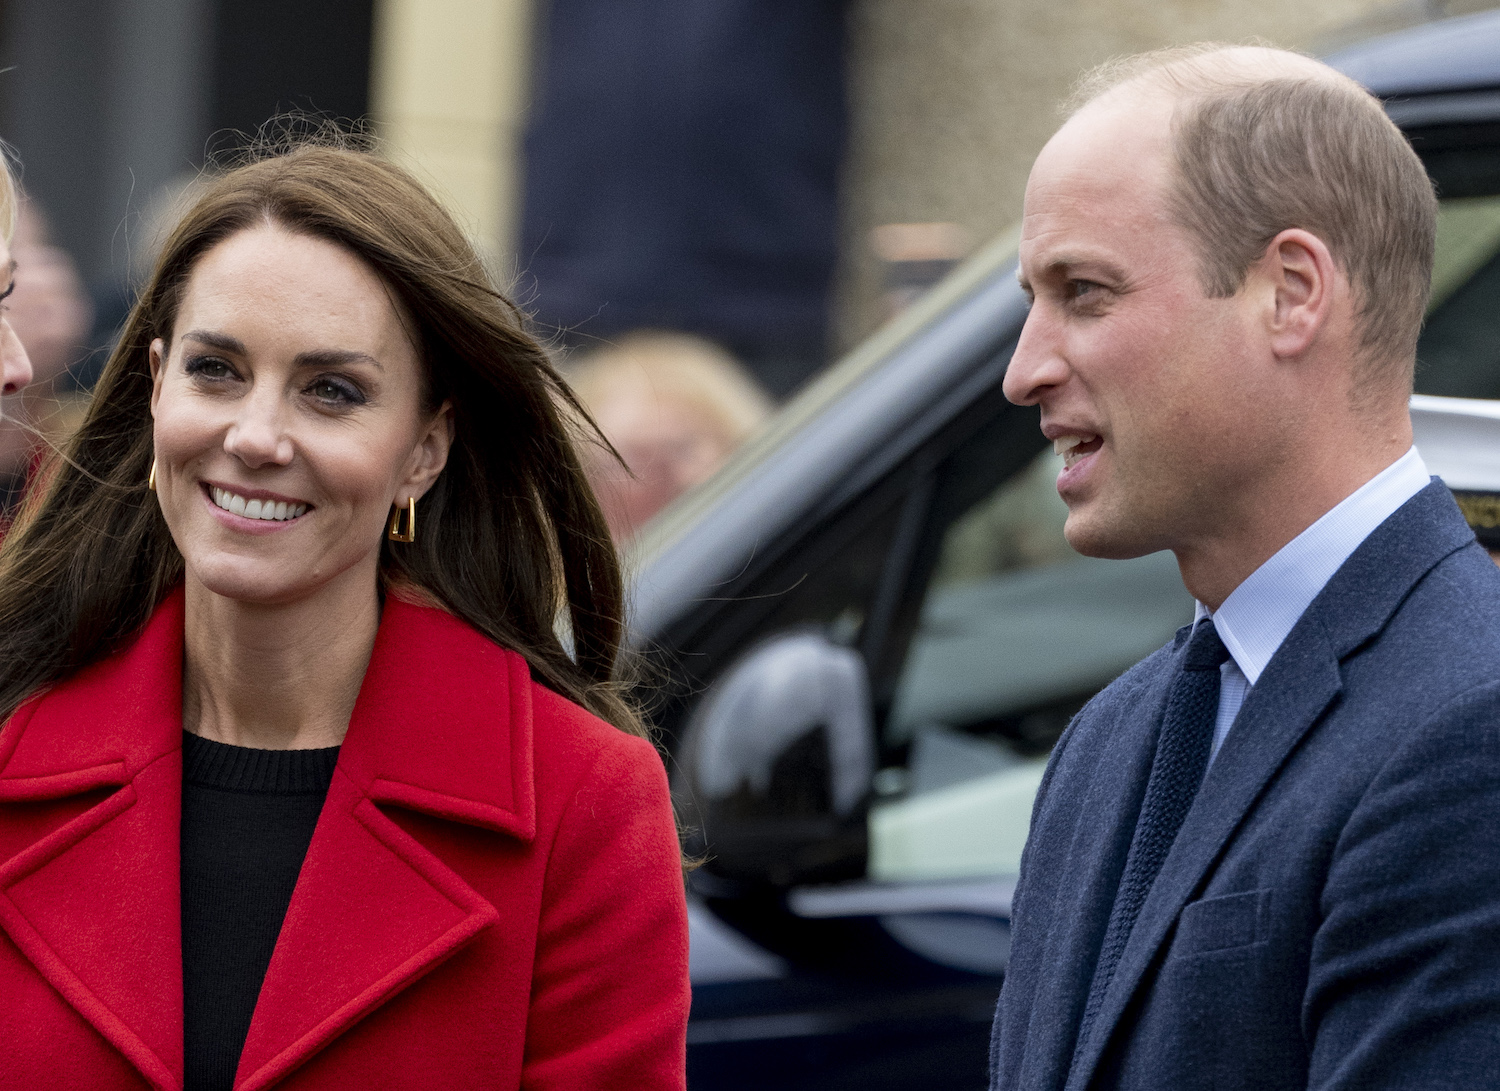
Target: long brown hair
[[511, 539]]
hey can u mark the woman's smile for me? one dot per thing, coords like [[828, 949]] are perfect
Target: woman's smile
[[266, 511]]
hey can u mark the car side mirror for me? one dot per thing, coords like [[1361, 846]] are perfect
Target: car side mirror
[[777, 761]]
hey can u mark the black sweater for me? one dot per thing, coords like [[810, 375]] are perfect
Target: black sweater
[[247, 819]]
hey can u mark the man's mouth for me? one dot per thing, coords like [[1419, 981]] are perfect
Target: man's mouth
[[273, 510], [1075, 448]]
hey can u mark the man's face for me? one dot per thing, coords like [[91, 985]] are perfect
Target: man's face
[[1151, 387]]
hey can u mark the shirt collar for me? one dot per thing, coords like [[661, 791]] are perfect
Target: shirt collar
[[1259, 613]]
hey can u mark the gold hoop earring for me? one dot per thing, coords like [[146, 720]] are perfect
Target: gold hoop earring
[[151, 477], [394, 532]]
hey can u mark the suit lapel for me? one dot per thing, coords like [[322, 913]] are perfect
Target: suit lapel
[[1273, 720], [1299, 684], [442, 726], [94, 904]]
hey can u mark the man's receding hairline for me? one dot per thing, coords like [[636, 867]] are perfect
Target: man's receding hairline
[[1264, 139], [1175, 74]]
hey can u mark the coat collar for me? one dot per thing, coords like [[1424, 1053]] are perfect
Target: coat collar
[[444, 683], [463, 708], [442, 725], [1300, 682]]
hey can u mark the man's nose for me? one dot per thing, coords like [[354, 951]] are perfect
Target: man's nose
[[258, 435], [15, 365], [1037, 364]]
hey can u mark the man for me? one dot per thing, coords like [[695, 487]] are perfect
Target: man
[[1268, 856]]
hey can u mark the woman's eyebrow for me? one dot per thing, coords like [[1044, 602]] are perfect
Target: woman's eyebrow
[[221, 341], [312, 358], [335, 357]]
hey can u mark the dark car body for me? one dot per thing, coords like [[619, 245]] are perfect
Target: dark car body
[[867, 633]]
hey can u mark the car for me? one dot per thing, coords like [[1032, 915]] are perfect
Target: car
[[865, 634]]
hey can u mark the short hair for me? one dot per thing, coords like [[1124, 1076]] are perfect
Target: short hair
[[1255, 154]]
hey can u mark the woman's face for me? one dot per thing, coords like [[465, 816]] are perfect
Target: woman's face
[[288, 418], [15, 367]]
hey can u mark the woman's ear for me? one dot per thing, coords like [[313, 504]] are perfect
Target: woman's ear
[[429, 456], [158, 360]]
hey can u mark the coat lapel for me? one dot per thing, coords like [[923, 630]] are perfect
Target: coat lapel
[[1299, 684], [442, 726], [94, 903]]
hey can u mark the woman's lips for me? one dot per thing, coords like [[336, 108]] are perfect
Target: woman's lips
[[255, 508], [256, 515]]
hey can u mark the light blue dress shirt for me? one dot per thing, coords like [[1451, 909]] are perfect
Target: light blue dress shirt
[[1259, 613]]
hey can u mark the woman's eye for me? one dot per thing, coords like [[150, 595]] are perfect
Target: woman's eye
[[208, 367], [335, 391]]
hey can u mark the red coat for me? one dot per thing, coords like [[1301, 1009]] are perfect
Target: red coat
[[492, 897]]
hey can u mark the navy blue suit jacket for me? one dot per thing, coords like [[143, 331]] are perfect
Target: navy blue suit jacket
[[1329, 915]]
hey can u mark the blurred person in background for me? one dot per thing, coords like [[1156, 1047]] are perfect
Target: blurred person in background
[[51, 314], [674, 406], [111, 300], [15, 365], [304, 789]]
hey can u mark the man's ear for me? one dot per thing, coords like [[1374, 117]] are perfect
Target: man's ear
[[429, 456], [1302, 278], [158, 360]]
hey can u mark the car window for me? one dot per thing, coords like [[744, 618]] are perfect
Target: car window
[[1016, 633], [1459, 351]]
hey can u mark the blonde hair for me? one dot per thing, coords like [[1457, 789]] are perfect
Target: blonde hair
[[1262, 147], [674, 365], [10, 193]]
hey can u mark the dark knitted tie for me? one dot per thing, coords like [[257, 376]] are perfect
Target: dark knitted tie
[[1182, 749]]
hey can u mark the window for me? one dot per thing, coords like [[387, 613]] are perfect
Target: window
[[1459, 351], [1016, 633]]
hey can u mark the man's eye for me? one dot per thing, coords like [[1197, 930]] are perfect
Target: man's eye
[[208, 367], [1081, 289]]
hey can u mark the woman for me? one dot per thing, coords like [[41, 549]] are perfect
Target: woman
[[15, 367], [302, 787]]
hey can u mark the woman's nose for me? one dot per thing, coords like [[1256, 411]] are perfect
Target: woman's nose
[[257, 436], [15, 365]]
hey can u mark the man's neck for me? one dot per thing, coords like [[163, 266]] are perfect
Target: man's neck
[[1264, 521]]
